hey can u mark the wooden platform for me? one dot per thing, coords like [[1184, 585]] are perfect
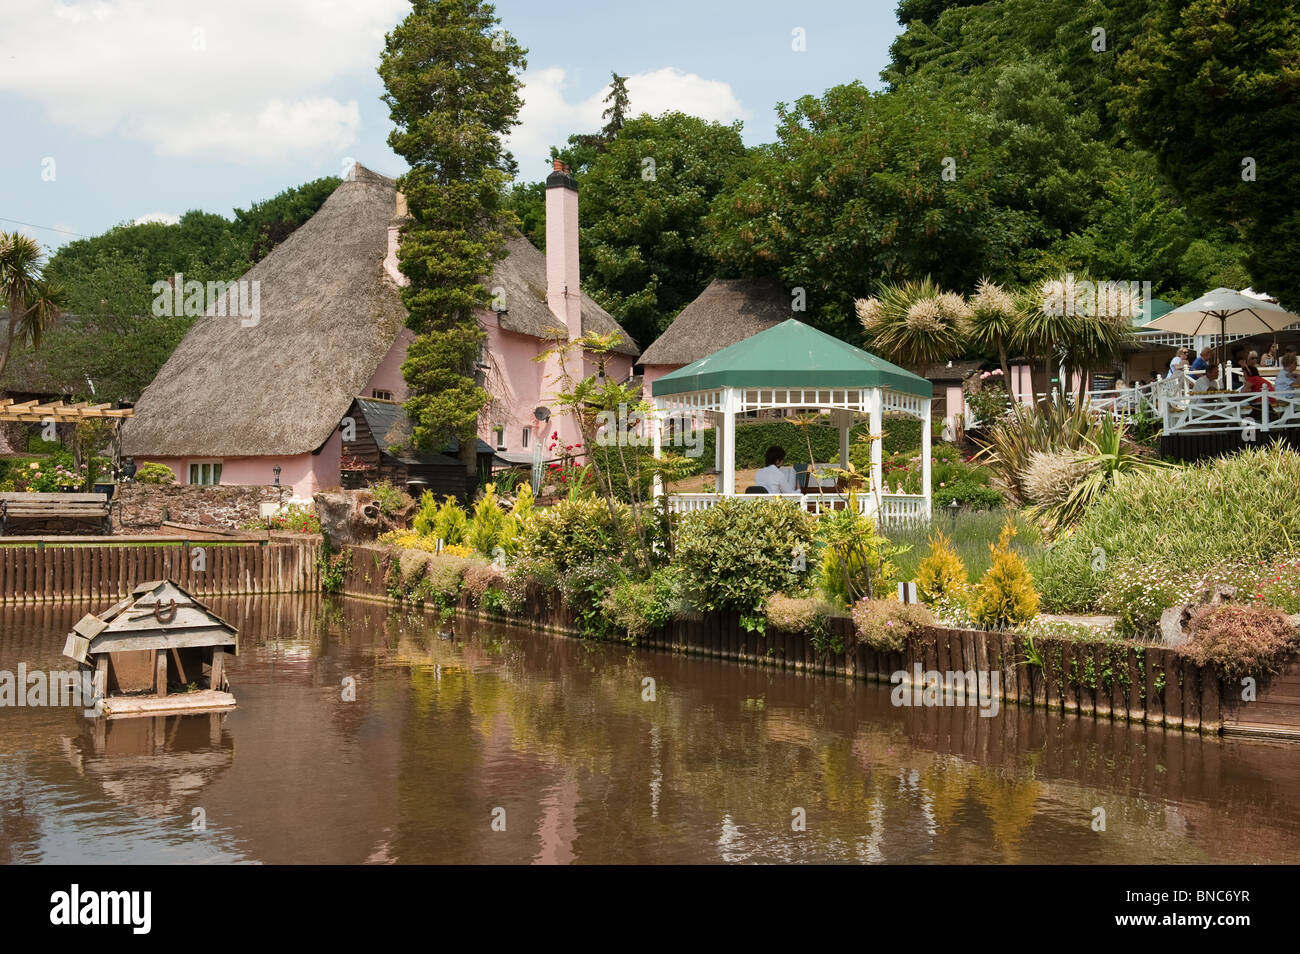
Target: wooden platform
[[205, 700], [1275, 713]]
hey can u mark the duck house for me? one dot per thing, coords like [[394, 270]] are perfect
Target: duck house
[[158, 651]]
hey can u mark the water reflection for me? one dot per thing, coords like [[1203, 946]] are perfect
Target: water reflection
[[551, 737]]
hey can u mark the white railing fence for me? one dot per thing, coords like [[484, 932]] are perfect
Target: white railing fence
[[894, 509]]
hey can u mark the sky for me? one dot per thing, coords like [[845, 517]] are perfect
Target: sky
[[123, 110]]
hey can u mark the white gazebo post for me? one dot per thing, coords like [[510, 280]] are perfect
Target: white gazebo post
[[717, 442], [730, 405], [925, 456], [845, 421], [876, 424], [657, 432]]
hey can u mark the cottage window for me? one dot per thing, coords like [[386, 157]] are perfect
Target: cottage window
[[499, 435], [524, 439], [382, 395], [206, 472]]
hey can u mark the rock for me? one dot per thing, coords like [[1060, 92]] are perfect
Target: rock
[[1174, 622]]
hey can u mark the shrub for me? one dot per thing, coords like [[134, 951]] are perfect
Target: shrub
[[333, 568], [887, 625], [1050, 477], [855, 560], [491, 530], [1005, 596], [640, 607], [480, 578], [296, 518], [527, 573], [152, 473], [579, 531], [941, 575], [736, 553], [444, 521], [1240, 640], [1178, 522], [390, 500], [797, 614], [1029, 429]]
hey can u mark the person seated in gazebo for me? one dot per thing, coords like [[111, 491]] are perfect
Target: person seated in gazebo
[[776, 478], [1209, 381], [1285, 382]]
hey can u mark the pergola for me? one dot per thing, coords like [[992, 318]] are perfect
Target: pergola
[[35, 412], [793, 366]]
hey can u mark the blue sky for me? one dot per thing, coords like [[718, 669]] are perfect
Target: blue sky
[[120, 109]]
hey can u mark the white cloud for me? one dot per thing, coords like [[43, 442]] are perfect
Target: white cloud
[[166, 218], [548, 117], [239, 80]]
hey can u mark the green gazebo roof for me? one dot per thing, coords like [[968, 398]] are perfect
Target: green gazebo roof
[[791, 355]]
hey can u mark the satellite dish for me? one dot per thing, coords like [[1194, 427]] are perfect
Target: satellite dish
[[542, 413]]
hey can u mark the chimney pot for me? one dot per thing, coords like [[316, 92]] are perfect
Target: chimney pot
[[558, 166]]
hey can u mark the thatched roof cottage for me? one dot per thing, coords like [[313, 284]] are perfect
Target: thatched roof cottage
[[727, 311], [240, 396]]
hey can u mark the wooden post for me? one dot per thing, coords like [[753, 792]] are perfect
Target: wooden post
[[160, 673], [218, 676]]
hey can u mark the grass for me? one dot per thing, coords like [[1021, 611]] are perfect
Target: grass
[[972, 533]]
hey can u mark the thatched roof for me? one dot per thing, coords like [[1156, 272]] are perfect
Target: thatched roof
[[728, 311], [522, 275], [329, 314]]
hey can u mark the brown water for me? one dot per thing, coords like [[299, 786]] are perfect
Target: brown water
[[555, 732]]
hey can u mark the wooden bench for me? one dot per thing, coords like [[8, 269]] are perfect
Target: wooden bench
[[39, 510]]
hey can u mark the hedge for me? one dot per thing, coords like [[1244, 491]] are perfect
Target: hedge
[[902, 433]]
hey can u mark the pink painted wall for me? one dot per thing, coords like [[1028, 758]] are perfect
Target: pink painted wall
[[515, 381], [300, 474], [388, 376]]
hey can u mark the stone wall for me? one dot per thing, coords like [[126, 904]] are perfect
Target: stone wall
[[225, 507]]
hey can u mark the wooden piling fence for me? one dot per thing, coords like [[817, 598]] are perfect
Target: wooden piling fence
[[104, 572], [1105, 681]]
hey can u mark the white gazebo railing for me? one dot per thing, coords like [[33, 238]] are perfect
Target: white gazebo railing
[[892, 509]]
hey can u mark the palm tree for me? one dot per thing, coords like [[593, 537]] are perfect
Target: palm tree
[[915, 323], [993, 324], [1079, 329], [34, 302]]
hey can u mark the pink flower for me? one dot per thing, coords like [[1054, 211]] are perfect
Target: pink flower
[[984, 376], [996, 372]]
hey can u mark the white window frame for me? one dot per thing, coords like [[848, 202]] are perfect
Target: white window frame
[[499, 436], [214, 469], [379, 394]]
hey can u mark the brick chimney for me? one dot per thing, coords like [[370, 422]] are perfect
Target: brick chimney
[[400, 215], [562, 289]]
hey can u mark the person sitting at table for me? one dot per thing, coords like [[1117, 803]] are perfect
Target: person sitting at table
[[1285, 382], [775, 477], [1270, 357], [1254, 383], [1203, 359], [1209, 381], [1178, 363]]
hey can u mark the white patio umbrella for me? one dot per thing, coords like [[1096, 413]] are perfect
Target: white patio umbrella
[[1225, 311]]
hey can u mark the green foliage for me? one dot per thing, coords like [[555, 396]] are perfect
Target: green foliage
[[639, 607], [1009, 445], [888, 625], [643, 253], [1106, 456], [1242, 509], [855, 561], [577, 532], [391, 500], [1005, 596], [738, 552], [941, 575], [296, 518], [153, 473], [915, 323], [333, 567], [451, 80], [447, 521], [1223, 75], [492, 529]]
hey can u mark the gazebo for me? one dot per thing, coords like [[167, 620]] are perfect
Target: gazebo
[[793, 366]]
